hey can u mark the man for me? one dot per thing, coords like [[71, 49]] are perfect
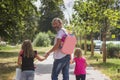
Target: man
[[61, 60]]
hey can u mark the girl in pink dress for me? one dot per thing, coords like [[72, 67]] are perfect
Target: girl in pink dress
[[80, 65]]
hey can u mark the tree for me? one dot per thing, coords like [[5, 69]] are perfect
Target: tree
[[97, 15], [108, 17], [49, 10], [86, 21], [14, 19]]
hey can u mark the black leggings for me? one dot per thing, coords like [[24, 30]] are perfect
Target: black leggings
[[81, 77]]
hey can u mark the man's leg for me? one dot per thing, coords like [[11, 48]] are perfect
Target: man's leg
[[57, 66], [65, 70]]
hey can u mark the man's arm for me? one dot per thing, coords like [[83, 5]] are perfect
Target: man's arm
[[55, 47]]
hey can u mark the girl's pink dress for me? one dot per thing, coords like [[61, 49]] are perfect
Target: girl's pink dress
[[80, 66]]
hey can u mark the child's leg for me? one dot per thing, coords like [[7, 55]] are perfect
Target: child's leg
[[77, 77], [82, 76]]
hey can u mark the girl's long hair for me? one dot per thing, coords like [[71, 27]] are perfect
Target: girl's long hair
[[27, 49], [78, 52]]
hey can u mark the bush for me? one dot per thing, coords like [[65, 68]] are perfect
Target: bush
[[42, 39], [113, 50], [52, 36]]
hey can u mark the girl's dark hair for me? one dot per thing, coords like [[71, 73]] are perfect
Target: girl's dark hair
[[27, 49]]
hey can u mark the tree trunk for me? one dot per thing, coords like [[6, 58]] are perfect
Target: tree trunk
[[80, 41], [104, 47], [104, 40], [92, 45], [0, 39], [85, 44]]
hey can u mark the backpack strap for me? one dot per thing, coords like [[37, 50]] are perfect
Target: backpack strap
[[63, 38], [64, 31]]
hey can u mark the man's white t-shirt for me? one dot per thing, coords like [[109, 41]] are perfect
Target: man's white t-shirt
[[57, 53]]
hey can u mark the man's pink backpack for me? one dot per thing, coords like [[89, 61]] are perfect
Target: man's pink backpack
[[68, 43]]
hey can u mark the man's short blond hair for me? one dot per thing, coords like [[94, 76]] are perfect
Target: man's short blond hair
[[57, 19]]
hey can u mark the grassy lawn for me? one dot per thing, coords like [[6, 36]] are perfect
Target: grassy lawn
[[8, 59], [110, 68]]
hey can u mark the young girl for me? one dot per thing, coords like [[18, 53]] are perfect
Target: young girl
[[80, 65], [26, 60]]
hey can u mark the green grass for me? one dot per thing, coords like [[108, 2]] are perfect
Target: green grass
[[8, 47], [8, 60], [110, 68]]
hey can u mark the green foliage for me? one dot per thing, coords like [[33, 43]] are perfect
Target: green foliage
[[112, 15], [113, 50], [86, 16], [52, 36], [94, 16], [78, 43], [9, 47], [91, 16], [42, 39], [49, 9], [17, 18]]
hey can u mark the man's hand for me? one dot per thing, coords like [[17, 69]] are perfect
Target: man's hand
[[46, 55]]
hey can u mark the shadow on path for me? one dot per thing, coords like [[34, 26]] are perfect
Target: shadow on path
[[43, 69]]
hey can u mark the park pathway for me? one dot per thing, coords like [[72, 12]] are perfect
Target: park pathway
[[43, 71]]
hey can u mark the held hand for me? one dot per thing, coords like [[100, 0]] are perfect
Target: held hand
[[71, 61], [46, 55], [42, 58]]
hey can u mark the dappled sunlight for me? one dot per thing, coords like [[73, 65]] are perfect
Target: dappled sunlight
[[7, 70], [43, 68]]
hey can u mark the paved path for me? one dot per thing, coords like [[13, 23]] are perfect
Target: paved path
[[43, 71]]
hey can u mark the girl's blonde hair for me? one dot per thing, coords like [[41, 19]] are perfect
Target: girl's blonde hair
[[78, 52], [27, 49]]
